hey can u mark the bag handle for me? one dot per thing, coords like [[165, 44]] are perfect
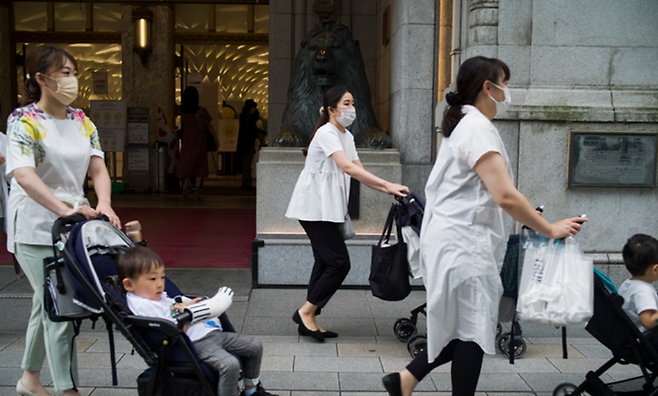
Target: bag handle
[[388, 226]]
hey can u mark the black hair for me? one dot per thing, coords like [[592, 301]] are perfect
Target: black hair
[[44, 59], [136, 261], [470, 79], [640, 252], [330, 100], [190, 100]]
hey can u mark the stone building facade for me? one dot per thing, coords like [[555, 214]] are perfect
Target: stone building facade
[[576, 65]]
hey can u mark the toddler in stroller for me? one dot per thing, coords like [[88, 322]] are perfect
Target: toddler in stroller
[[84, 273], [625, 321], [141, 272]]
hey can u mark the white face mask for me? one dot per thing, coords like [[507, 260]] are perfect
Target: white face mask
[[67, 89], [347, 117], [501, 107]]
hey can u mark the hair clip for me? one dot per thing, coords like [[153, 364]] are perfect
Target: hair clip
[[27, 76], [321, 110]]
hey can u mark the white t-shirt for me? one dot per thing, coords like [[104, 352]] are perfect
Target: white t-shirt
[[60, 152], [323, 188], [162, 309], [639, 296]]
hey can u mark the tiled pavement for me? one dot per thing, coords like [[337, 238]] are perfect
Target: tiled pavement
[[352, 364]]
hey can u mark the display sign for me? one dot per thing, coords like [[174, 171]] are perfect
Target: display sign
[[100, 82], [195, 80], [612, 159], [109, 116], [138, 125], [138, 159], [228, 135]]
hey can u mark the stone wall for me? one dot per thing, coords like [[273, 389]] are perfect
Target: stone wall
[[576, 66]]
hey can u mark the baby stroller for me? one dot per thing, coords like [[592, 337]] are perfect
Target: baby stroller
[[84, 268], [613, 328], [511, 344], [409, 216]]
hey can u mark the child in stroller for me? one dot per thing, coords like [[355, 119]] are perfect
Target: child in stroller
[[141, 272], [640, 299]]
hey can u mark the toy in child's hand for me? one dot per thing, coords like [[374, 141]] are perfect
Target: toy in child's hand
[[209, 308]]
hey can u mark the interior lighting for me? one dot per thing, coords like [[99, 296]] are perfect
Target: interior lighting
[[142, 21]]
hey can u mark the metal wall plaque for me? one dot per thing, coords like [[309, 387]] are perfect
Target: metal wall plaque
[[612, 159]]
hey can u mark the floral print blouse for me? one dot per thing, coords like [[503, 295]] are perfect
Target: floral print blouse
[[60, 152]]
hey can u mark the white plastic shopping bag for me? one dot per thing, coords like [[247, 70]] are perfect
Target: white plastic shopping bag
[[412, 240], [557, 283]]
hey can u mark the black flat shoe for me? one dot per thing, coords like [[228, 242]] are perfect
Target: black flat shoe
[[326, 334], [304, 331], [392, 384], [329, 334], [297, 319]]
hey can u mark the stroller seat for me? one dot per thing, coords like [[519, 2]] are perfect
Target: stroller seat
[[611, 326], [90, 249]]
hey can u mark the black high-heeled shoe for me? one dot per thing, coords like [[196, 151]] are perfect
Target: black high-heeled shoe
[[392, 384], [303, 330]]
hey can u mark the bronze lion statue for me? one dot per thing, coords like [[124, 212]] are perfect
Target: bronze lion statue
[[328, 57]]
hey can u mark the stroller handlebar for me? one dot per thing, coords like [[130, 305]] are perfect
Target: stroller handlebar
[[64, 224]]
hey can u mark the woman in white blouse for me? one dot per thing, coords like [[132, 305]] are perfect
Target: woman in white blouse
[[319, 202], [50, 149]]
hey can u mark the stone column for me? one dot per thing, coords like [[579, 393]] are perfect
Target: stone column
[[412, 98], [283, 20], [152, 84], [7, 101]]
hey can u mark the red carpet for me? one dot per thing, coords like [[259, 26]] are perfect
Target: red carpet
[[5, 256], [197, 238], [190, 238]]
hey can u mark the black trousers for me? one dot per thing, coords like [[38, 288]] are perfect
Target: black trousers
[[466, 360], [332, 262]]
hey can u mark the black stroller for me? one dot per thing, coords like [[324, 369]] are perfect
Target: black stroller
[[409, 214], [511, 344], [84, 270], [614, 329]]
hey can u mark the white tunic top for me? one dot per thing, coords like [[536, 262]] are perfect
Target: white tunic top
[[463, 239], [639, 296], [323, 188], [60, 152]]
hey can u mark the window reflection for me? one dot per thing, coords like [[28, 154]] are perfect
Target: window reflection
[[70, 17], [29, 16], [107, 17]]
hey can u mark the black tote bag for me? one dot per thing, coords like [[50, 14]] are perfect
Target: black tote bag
[[389, 268]]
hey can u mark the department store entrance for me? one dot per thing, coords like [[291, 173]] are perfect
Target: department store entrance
[[219, 47]]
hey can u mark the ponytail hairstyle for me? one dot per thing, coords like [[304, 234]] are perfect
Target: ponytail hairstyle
[[44, 59], [470, 79], [330, 100]]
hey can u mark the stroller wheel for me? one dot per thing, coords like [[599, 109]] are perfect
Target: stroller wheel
[[404, 329], [416, 345], [565, 389], [519, 346]]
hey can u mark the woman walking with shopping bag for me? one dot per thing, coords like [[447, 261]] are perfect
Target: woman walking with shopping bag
[[470, 198], [319, 202]]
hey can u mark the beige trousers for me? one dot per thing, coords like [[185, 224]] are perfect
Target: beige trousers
[[45, 338]]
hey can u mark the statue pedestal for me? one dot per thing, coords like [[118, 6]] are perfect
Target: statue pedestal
[[282, 253]]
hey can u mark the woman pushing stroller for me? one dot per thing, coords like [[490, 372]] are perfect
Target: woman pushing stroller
[[470, 197], [50, 149], [319, 203]]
